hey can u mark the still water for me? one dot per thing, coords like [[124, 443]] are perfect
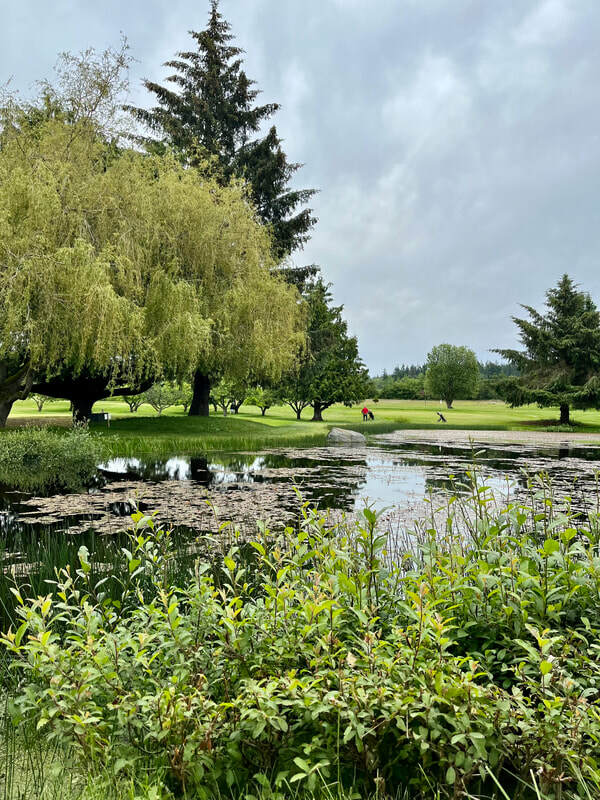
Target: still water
[[194, 494]]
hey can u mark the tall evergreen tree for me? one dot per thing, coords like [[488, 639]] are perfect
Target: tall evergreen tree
[[560, 365], [330, 369], [211, 110]]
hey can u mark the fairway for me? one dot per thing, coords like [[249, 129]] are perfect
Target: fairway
[[174, 431]]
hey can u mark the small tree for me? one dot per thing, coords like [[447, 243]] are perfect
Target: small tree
[[134, 401], [560, 365], [161, 396], [41, 399], [222, 396], [184, 396], [263, 399], [452, 372]]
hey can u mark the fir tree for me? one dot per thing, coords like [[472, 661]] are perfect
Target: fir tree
[[330, 369], [211, 111], [560, 364]]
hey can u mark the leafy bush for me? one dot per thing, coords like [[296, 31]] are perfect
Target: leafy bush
[[471, 662], [42, 460]]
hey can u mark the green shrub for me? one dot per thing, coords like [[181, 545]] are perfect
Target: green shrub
[[42, 460], [321, 660]]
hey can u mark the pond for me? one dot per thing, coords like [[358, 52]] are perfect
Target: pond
[[393, 470], [195, 494]]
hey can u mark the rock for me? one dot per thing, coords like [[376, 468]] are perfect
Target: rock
[[345, 438]]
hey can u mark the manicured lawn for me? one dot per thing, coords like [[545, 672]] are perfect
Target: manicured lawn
[[144, 431]]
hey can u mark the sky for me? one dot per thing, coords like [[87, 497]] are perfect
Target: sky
[[455, 143]]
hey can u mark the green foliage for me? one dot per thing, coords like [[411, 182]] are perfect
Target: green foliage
[[42, 460], [212, 112], [560, 364], [40, 400], [163, 395], [263, 398], [134, 401], [314, 658], [329, 369], [452, 373], [117, 267], [228, 395]]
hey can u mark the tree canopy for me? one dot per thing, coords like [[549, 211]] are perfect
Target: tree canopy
[[208, 108], [116, 266], [452, 372], [560, 363]]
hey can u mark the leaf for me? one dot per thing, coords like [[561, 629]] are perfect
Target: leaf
[[229, 563], [19, 633], [300, 762], [545, 667], [450, 775], [550, 547], [120, 764]]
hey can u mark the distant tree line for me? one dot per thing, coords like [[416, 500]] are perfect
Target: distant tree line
[[407, 382]]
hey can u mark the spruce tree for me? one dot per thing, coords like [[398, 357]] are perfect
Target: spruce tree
[[560, 365], [329, 370], [211, 111]]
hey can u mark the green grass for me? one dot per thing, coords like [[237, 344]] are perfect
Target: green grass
[[175, 432]]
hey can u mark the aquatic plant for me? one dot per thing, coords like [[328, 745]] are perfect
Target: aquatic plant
[[42, 460]]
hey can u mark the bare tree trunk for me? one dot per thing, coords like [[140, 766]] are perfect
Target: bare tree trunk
[[199, 407], [82, 408], [564, 414], [449, 403], [317, 412], [13, 387]]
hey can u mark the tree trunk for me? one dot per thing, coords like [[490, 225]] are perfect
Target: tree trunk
[[82, 408], [317, 415], [564, 414], [263, 411], [12, 387], [449, 403], [298, 413], [199, 407]]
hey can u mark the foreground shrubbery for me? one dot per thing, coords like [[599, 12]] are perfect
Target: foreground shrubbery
[[42, 460], [320, 661]]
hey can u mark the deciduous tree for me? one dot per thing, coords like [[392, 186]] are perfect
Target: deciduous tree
[[118, 268], [452, 372], [208, 107]]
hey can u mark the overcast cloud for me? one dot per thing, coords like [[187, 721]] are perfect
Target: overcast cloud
[[456, 143]]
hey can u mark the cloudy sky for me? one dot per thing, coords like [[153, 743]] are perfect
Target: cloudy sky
[[455, 143]]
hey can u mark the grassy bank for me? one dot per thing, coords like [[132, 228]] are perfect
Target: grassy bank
[[175, 432]]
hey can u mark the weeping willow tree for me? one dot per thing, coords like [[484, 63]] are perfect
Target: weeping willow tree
[[117, 268]]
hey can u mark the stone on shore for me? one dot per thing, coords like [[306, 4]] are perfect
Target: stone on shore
[[340, 436]]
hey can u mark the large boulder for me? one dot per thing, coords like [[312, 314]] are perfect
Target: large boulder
[[346, 438]]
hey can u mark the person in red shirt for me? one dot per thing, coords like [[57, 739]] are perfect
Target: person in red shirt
[[365, 413]]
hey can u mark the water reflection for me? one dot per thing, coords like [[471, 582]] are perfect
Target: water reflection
[[388, 474]]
